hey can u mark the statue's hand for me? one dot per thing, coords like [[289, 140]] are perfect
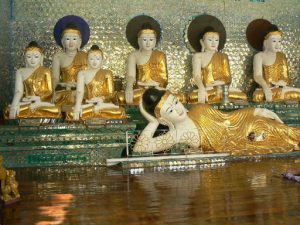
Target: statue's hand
[[129, 95], [268, 94], [150, 83], [31, 99], [13, 112], [77, 112], [202, 96], [101, 105], [95, 100], [279, 83], [267, 114], [218, 83], [148, 117]]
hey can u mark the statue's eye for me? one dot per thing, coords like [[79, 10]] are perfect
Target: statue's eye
[[171, 110]]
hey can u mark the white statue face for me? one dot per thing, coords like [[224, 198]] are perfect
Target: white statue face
[[33, 58], [71, 41], [147, 41], [173, 110], [273, 43], [95, 60], [210, 42]]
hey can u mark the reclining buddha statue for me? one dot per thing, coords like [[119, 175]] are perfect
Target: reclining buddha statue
[[211, 70]]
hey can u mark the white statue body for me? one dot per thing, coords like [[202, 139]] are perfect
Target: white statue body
[[146, 42], [267, 57], [33, 60], [209, 44], [181, 127], [71, 43], [85, 77]]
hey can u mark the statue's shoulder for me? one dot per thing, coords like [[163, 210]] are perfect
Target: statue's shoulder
[[82, 53]]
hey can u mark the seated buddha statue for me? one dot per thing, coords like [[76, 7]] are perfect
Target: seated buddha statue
[[33, 88], [146, 66], [95, 91], [211, 70], [270, 66], [71, 33]]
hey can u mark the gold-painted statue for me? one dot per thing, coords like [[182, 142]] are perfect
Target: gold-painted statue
[[211, 70], [146, 66], [71, 33], [33, 88], [96, 87], [9, 185], [205, 129], [270, 65]]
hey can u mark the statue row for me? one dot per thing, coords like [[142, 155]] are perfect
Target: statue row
[[84, 90]]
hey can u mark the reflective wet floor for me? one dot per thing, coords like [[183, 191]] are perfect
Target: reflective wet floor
[[237, 193]]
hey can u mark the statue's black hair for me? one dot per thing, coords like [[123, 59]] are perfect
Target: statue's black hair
[[151, 98]]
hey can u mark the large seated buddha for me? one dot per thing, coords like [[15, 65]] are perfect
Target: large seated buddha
[[211, 70], [95, 91], [270, 67], [71, 33], [146, 66], [33, 88]]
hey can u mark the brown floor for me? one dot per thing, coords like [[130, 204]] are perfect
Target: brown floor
[[238, 193]]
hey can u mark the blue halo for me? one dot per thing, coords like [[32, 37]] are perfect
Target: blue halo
[[78, 21]]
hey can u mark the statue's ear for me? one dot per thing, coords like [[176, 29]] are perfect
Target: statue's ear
[[265, 45], [42, 60], [202, 45]]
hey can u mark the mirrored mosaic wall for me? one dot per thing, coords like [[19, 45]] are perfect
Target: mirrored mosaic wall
[[25, 20]]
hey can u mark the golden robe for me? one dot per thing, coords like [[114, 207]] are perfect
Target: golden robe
[[39, 83], [69, 74], [229, 132], [155, 69], [101, 85], [274, 73], [217, 69]]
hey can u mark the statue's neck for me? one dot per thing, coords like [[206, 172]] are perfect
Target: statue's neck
[[145, 52], [71, 52]]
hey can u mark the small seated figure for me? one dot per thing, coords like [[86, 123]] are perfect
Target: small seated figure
[[33, 88], [96, 87], [10, 188], [9, 185], [71, 33], [270, 65], [211, 71], [209, 130], [146, 66]]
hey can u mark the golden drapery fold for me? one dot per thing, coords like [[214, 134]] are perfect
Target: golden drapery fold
[[69, 73], [229, 132]]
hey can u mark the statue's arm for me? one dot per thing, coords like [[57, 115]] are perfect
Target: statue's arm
[[79, 95], [110, 85], [147, 143], [19, 89], [55, 69], [130, 77], [197, 77], [258, 76]]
